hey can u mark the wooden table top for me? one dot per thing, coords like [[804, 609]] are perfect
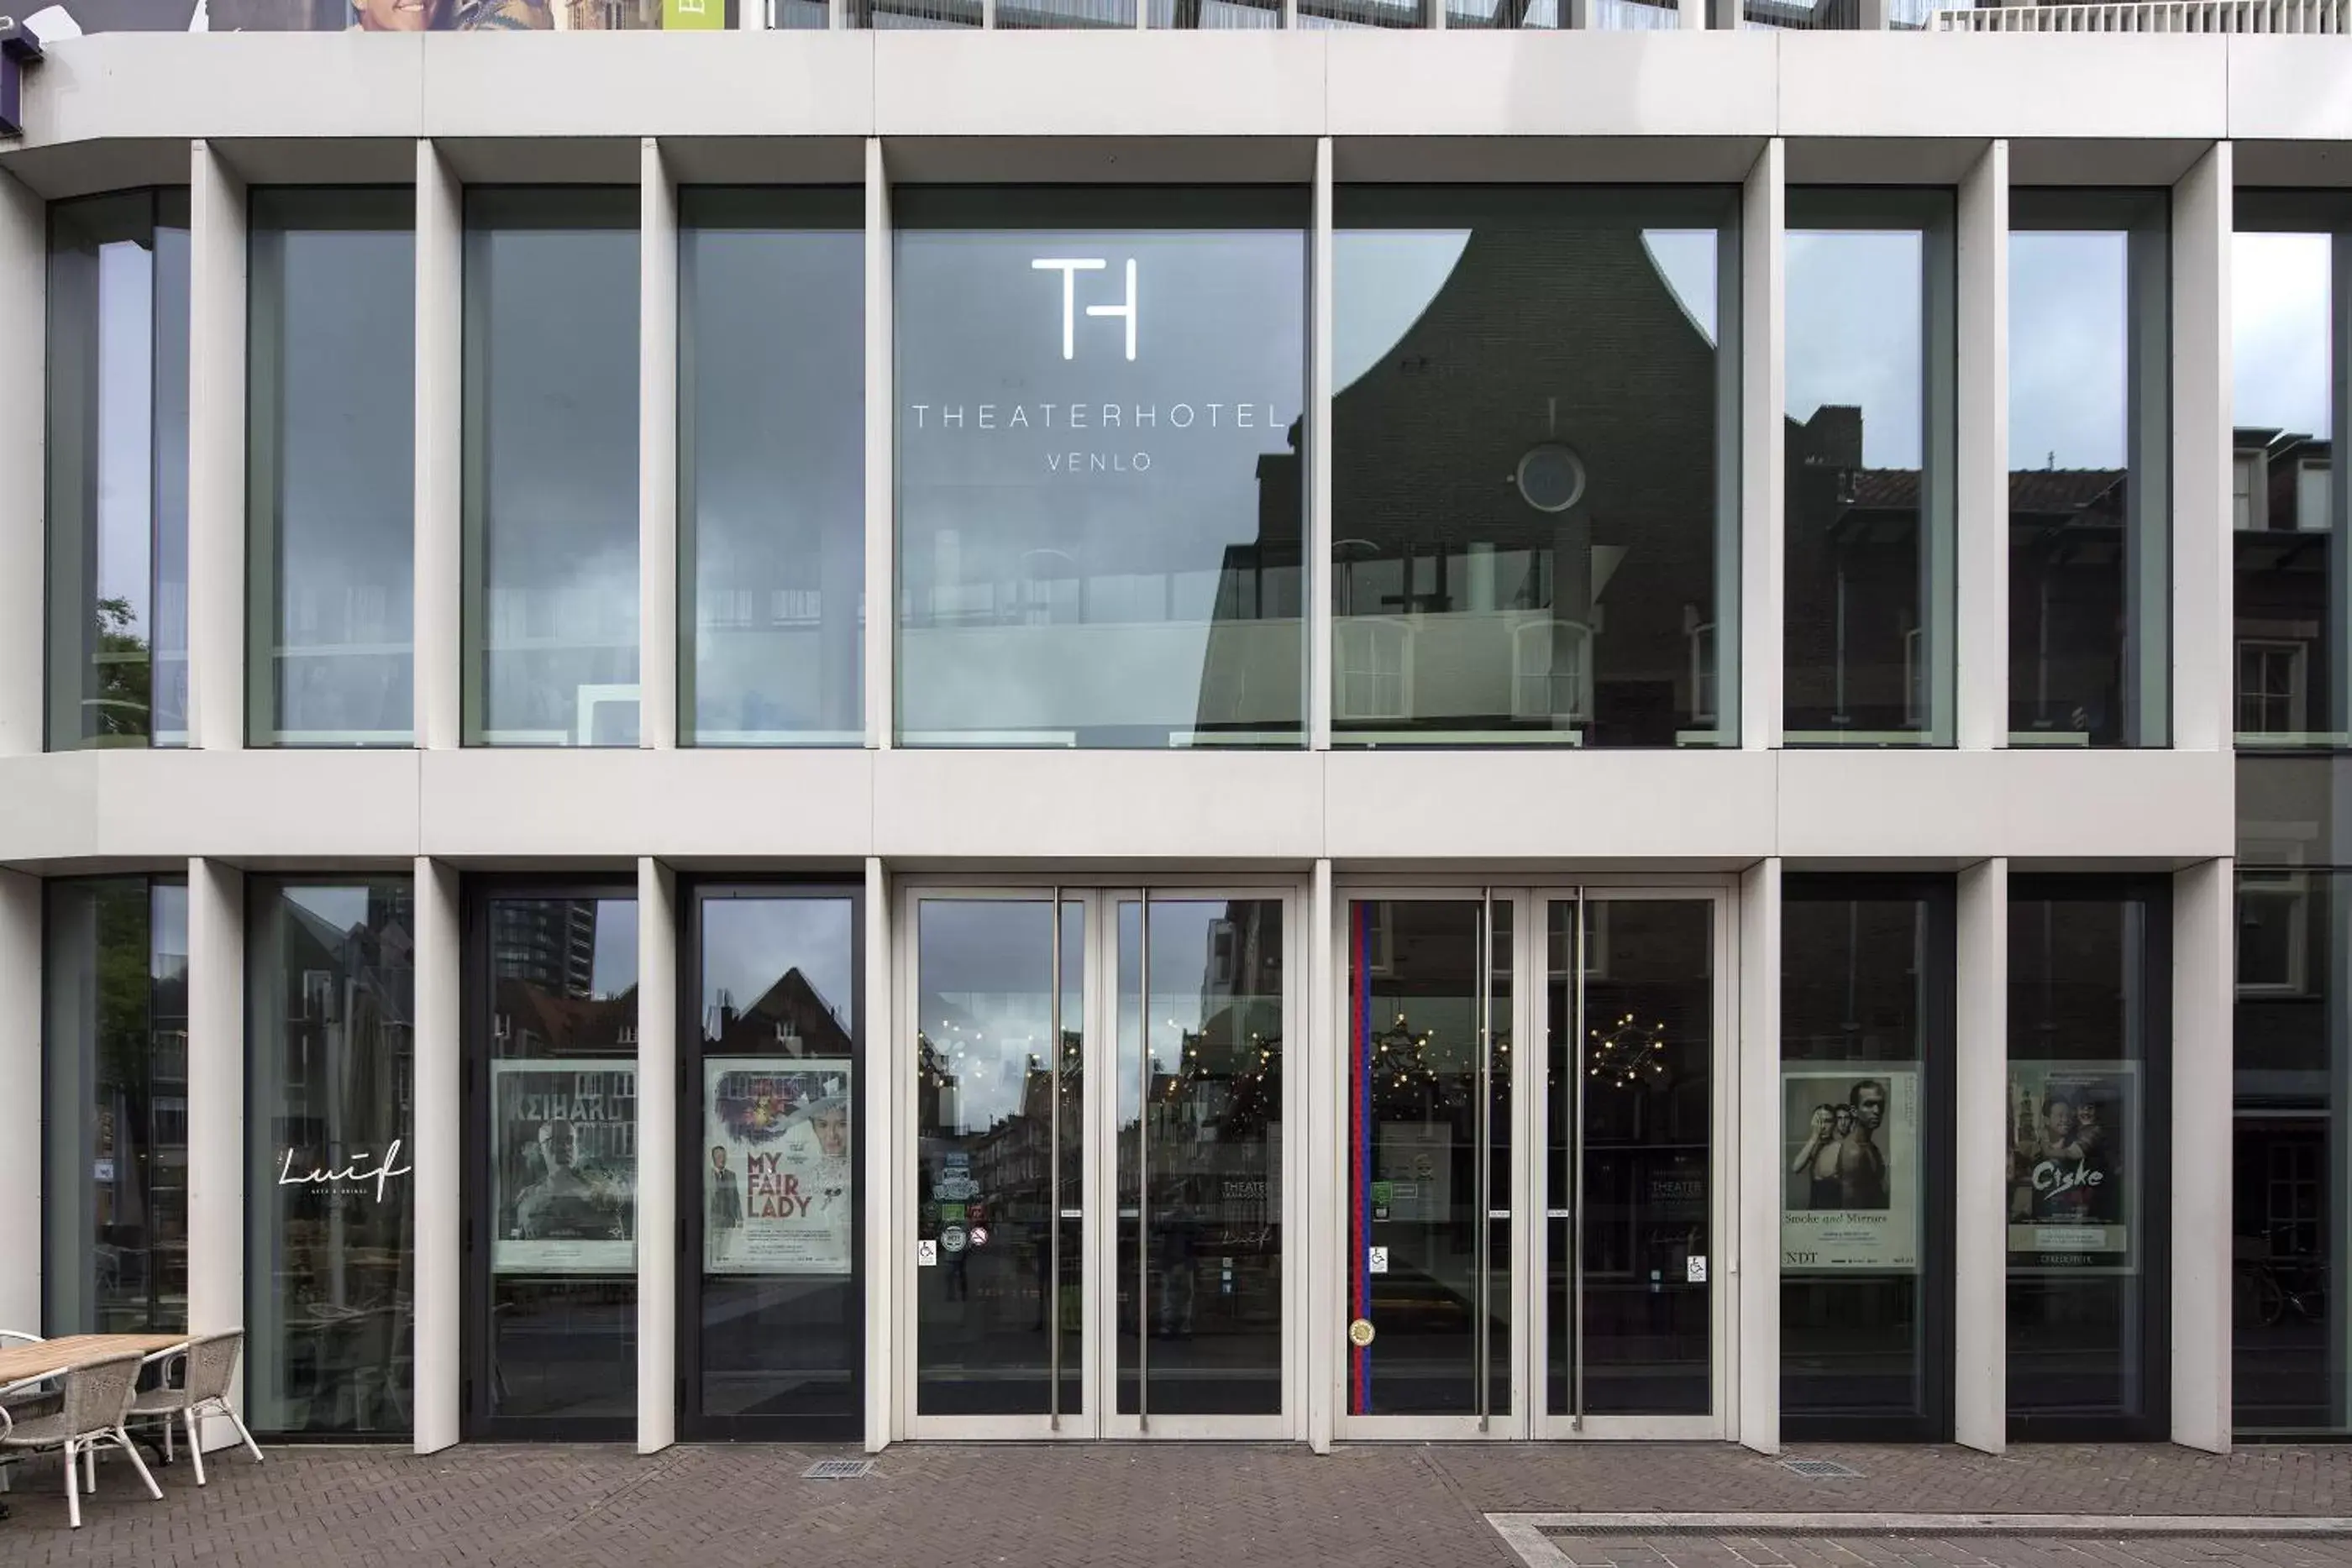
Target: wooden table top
[[19, 1362]]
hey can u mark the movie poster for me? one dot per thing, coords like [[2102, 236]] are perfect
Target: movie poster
[[53, 21], [565, 1187], [2070, 1192], [1850, 1167], [777, 1182]]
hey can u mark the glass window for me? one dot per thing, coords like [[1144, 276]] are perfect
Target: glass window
[[2291, 342], [555, 1071], [2289, 1373], [1099, 463], [776, 1327], [2090, 432], [331, 1200], [331, 468], [771, 508], [550, 497], [1868, 556], [118, 471], [1581, 347], [115, 1051], [2087, 1204], [1867, 1022]]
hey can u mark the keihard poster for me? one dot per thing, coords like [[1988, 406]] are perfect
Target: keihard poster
[[777, 1186], [565, 1181], [1850, 1162], [2070, 1195]]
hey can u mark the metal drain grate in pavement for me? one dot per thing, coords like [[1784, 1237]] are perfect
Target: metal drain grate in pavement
[[838, 1470], [1820, 1469]]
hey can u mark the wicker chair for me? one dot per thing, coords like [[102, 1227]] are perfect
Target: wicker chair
[[208, 1363], [34, 1396], [96, 1405]]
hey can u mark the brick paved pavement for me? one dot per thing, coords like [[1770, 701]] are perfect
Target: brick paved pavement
[[1222, 1505]]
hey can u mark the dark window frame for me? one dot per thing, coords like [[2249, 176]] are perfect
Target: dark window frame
[[867, 1120], [1938, 1271], [2154, 1423], [477, 1190]]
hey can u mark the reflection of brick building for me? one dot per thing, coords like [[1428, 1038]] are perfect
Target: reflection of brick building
[[2281, 542]]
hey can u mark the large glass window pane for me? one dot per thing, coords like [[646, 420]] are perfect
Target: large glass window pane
[[557, 1168], [1099, 463], [777, 1329], [999, 1157], [1865, 1026], [115, 1065], [2288, 1368], [2089, 979], [771, 509], [551, 486], [1200, 1286], [118, 471], [2090, 432], [2290, 342], [332, 471], [1580, 348], [1868, 555], [330, 1228]]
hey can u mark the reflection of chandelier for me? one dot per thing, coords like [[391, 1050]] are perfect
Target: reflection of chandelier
[[1627, 1052]]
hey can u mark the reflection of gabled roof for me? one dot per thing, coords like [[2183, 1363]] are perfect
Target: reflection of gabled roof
[[792, 1007], [2055, 491], [569, 1025]]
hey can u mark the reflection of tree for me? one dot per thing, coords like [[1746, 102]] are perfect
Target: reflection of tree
[[122, 700]]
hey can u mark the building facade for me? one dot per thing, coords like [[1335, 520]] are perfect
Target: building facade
[[1621, 729]]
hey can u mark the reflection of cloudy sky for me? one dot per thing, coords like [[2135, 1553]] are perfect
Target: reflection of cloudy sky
[[984, 989], [615, 967], [748, 943], [1855, 326], [2069, 389], [126, 382], [2279, 316]]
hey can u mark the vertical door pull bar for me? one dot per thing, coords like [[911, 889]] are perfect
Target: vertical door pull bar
[[1143, 1178], [1051, 1305]]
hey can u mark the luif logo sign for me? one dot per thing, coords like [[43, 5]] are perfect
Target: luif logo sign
[[1069, 268], [17, 45]]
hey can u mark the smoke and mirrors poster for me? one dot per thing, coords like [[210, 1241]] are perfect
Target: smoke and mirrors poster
[[776, 1181], [565, 1136], [1849, 1164]]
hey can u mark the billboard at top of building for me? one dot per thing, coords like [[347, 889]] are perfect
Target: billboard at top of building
[[52, 20]]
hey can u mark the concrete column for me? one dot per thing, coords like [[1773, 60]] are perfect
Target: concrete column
[[440, 457], [1981, 546], [1980, 1160], [657, 656], [217, 300], [1763, 443], [876, 1120], [216, 1108], [881, 458], [439, 1155], [20, 1112], [2204, 667], [1321, 285], [23, 279], [657, 1093], [1754, 1287], [1325, 1255], [2204, 989], [1695, 14]]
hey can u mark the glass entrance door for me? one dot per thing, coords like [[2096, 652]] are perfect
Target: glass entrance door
[[1099, 1193], [1636, 1091], [1530, 1240]]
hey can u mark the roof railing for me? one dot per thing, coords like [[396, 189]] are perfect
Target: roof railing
[[2156, 17]]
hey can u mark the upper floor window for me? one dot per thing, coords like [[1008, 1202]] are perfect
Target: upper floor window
[[1581, 347], [2289, 350], [551, 473], [2090, 436], [118, 471], [772, 472], [1100, 400], [332, 410], [1868, 617]]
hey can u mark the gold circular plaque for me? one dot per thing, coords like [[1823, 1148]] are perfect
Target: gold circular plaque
[[1360, 1332]]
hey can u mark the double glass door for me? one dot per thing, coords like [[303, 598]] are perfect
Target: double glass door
[[1096, 1163], [1537, 1160]]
